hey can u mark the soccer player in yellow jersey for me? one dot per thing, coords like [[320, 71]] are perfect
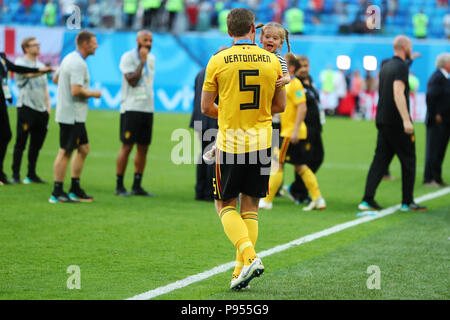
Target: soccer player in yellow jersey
[[294, 148], [244, 77]]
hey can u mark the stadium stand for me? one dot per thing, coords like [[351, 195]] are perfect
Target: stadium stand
[[322, 17]]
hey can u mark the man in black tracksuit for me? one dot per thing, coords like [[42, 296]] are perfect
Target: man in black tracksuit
[[206, 128], [395, 129], [314, 138]]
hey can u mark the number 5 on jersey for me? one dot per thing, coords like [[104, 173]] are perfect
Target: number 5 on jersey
[[255, 88]]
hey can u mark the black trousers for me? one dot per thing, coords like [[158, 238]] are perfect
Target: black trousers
[[298, 188], [151, 15], [393, 141], [34, 124], [436, 146], [5, 131], [205, 175]]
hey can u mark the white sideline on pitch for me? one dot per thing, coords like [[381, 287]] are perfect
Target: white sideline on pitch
[[226, 266]]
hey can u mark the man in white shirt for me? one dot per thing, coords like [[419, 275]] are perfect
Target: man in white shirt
[[33, 109], [136, 111], [71, 111]]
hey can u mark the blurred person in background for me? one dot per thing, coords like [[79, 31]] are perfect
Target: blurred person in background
[[294, 18], [420, 23], [33, 110], [49, 15], [129, 9], [151, 9], [446, 22], [437, 121], [173, 7], [357, 87]]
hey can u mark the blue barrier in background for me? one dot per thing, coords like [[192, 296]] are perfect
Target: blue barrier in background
[[178, 60]]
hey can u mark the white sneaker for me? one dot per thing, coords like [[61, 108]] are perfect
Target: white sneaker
[[247, 274], [319, 204], [265, 205]]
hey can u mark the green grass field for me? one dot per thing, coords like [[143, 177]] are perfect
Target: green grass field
[[127, 246]]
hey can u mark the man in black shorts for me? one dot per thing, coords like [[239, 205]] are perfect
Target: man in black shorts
[[244, 77], [72, 78], [136, 111]]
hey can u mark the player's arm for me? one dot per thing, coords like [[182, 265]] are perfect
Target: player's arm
[[209, 108], [134, 77], [401, 104], [279, 100], [47, 99], [301, 114], [78, 91]]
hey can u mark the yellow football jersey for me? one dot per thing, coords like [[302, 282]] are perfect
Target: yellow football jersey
[[244, 76], [295, 95]]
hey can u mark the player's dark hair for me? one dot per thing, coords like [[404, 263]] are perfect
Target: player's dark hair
[[83, 36], [239, 21], [292, 60], [26, 42]]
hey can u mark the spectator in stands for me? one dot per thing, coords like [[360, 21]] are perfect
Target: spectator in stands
[[65, 9], [317, 8], [420, 22], [94, 14], [27, 5], [129, 9], [192, 14], [173, 7], [294, 18], [49, 15], [447, 25], [442, 3], [222, 20], [392, 7], [151, 9], [340, 85], [205, 10]]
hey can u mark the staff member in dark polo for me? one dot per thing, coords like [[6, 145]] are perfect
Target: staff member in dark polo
[[437, 121], [5, 94], [207, 134], [395, 129]]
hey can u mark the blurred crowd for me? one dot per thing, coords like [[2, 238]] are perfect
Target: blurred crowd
[[413, 17]]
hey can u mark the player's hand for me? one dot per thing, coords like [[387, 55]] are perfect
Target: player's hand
[[294, 138], [143, 53], [415, 55], [96, 94], [47, 69], [438, 119], [408, 127]]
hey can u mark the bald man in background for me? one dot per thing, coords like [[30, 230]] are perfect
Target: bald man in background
[[395, 129], [136, 111]]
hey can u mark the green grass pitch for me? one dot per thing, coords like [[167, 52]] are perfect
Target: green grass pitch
[[127, 246]]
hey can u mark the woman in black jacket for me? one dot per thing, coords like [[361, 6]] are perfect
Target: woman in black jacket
[[5, 129]]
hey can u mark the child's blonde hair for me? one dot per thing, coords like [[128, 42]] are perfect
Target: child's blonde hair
[[284, 33]]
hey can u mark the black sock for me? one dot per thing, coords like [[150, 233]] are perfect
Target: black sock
[[137, 180], [75, 184], [58, 188], [119, 181]]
